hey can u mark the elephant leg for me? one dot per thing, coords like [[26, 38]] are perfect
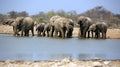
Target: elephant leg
[[56, 33], [52, 31], [88, 34], [63, 33], [71, 33], [98, 34], [68, 34], [104, 35], [47, 33], [81, 32], [60, 34], [38, 33], [32, 32], [92, 33], [44, 33], [84, 33], [26, 33]]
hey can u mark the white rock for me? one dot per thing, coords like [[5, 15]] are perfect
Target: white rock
[[97, 64], [106, 62]]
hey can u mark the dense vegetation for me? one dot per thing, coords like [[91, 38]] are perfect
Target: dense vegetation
[[98, 13]]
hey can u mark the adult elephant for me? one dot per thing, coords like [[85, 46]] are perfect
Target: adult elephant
[[52, 20], [24, 24], [40, 29], [84, 23], [97, 28], [63, 27]]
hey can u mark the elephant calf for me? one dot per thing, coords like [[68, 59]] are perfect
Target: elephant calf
[[40, 29], [47, 29], [97, 28]]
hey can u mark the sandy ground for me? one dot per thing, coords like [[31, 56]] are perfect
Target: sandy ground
[[67, 62], [111, 33]]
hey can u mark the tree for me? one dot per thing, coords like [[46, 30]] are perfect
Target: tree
[[23, 14], [12, 14], [2, 18]]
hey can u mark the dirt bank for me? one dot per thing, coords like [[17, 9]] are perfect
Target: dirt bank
[[111, 33], [67, 62]]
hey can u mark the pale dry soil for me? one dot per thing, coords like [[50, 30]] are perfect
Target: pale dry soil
[[67, 62], [111, 33]]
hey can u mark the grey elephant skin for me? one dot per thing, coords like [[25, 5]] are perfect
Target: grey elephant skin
[[97, 28], [63, 27], [11, 22], [52, 20], [25, 24], [47, 29], [40, 29], [84, 23]]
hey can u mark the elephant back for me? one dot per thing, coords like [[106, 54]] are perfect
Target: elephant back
[[52, 19], [100, 25], [61, 22]]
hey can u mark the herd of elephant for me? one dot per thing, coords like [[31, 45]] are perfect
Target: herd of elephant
[[58, 27]]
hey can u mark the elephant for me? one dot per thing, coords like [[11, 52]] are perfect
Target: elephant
[[47, 29], [24, 24], [8, 21], [40, 29], [69, 31], [63, 27], [92, 28], [69, 28], [97, 28], [52, 20], [11, 22], [84, 23]]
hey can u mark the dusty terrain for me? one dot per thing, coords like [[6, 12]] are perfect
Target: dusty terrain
[[111, 33], [67, 62]]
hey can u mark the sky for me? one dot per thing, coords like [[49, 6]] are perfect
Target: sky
[[35, 6]]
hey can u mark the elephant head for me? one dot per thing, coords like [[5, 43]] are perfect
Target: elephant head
[[84, 23], [92, 27], [19, 21], [8, 22]]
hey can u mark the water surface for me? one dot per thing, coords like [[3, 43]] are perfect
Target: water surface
[[46, 48]]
